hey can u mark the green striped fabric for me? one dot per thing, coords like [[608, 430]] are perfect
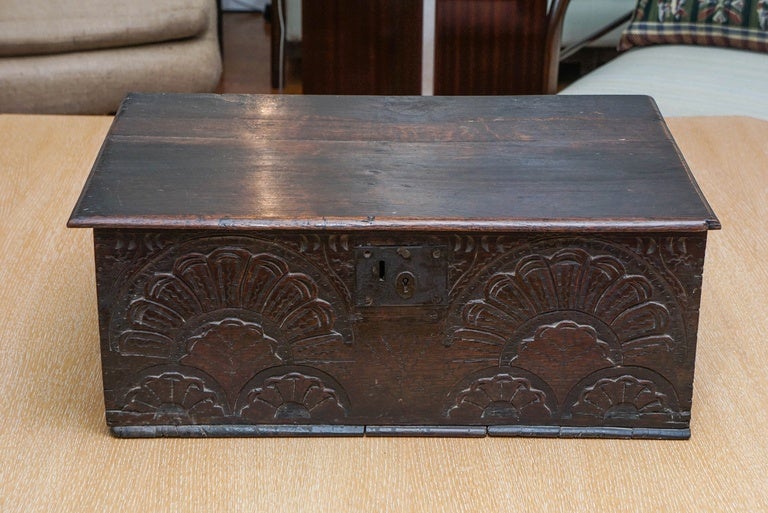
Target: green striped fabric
[[730, 23]]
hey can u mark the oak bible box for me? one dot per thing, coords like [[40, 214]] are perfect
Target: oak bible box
[[298, 265]]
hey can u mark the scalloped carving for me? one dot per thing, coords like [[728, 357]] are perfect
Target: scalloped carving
[[623, 398], [203, 289], [598, 289], [292, 397], [231, 350], [174, 397], [556, 351], [503, 397]]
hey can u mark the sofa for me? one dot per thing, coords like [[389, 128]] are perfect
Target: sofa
[[83, 56], [693, 61]]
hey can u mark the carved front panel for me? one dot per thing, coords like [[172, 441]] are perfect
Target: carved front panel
[[209, 328]]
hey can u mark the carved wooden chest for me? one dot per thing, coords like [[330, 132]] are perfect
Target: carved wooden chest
[[297, 265]]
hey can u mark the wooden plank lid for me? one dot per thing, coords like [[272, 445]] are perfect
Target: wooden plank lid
[[553, 163]]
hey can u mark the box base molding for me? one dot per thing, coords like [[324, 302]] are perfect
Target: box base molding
[[290, 430], [235, 431], [590, 432]]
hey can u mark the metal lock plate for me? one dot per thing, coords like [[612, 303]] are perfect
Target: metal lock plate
[[401, 275]]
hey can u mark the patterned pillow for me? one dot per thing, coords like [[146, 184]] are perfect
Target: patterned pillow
[[732, 23]]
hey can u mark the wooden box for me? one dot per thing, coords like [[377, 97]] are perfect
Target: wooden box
[[298, 265]]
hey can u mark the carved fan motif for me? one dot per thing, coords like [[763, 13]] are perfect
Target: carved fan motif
[[270, 305], [292, 397], [554, 351], [573, 285], [622, 398], [502, 397], [172, 397], [232, 350]]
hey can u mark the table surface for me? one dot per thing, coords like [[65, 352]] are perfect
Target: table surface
[[57, 455]]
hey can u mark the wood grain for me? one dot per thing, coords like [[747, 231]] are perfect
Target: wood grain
[[56, 454], [353, 47], [576, 163], [490, 47]]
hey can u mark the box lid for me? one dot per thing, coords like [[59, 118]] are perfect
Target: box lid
[[556, 163]]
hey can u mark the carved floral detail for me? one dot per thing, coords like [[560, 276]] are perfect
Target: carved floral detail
[[330, 253], [337, 243], [676, 257], [174, 397], [501, 397], [622, 398], [132, 247], [470, 254], [137, 245], [292, 397]]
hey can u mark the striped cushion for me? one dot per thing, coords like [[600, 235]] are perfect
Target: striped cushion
[[739, 24]]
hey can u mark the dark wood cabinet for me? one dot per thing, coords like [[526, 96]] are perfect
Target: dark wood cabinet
[[490, 47], [481, 47], [362, 47]]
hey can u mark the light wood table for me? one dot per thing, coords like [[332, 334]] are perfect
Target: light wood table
[[56, 453]]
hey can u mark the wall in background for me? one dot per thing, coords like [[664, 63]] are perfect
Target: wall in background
[[244, 5]]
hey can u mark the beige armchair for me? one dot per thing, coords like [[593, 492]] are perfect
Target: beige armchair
[[83, 56]]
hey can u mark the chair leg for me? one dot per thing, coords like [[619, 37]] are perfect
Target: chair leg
[[277, 58], [220, 26]]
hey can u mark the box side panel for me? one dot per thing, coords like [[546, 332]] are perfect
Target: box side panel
[[528, 334]]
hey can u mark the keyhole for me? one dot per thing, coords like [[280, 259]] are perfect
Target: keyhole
[[405, 285]]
